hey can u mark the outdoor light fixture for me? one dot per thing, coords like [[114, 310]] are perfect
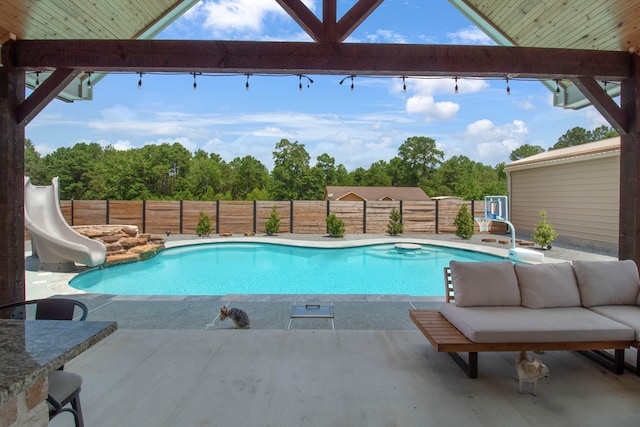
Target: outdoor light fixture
[[140, 81], [37, 78], [455, 89], [349, 77], [508, 88], [557, 87], [246, 85], [195, 85], [89, 79], [309, 81], [404, 85]]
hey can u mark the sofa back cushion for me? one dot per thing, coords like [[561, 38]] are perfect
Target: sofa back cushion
[[484, 284], [607, 282], [548, 285]]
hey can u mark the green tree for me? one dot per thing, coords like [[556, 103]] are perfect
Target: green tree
[[33, 165], [204, 176], [73, 166], [291, 164], [247, 174], [377, 175], [117, 177], [165, 168], [603, 132], [420, 157], [543, 233], [464, 223], [327, 165], [525, 150]]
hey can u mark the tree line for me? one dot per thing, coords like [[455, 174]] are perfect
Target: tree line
[[88, 171]]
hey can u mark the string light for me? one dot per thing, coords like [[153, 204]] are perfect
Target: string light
[[195, 85], [140, 81], [349, 77], [455, 89], [557, 88], [309, 81], [89, 79], [37, 78], [508, 88], [246, 85], [404, 85]]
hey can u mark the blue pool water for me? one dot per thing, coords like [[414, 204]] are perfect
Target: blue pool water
[[258, 268]]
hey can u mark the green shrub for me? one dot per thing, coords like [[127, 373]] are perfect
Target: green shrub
[[544, 233], [335, 225], [464, 223], [203, 228], [395, 223], [272, 226]]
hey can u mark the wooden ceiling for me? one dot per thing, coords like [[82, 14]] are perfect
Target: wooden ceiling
[[569, 24], [572, 24]]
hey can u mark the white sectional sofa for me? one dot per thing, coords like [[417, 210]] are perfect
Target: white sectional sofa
[[501, 306]]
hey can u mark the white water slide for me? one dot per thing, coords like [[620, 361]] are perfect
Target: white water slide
[[57, 245]]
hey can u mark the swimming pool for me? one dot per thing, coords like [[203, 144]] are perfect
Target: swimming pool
[[264, 268]]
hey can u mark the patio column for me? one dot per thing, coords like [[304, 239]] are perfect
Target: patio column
[[12, 262], [629, 228]]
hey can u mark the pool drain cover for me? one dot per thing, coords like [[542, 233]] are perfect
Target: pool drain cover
[[312, 310]]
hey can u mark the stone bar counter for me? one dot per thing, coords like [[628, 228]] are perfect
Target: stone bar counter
[[29, 350]]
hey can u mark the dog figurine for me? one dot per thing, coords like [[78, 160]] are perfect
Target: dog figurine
[[530, 371], [240, 317]]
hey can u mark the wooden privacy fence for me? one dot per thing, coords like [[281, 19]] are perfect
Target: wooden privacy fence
[[296, 216]]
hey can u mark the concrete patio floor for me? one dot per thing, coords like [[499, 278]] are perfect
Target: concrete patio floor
[[165, 377], [173, 363]]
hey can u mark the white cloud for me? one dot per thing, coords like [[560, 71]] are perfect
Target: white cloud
[[386, 36], [595, 118], [494, 143], [470, 35], [225, 17], [423, 102], [431, 109]]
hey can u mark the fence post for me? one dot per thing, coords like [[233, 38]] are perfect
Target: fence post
[[255, 214], [473, 209], [72, 212], [364, 217], [181, 214], [217, 216], [291, 216], [328, 213], [107, 212], [437, 216], [144, 216]]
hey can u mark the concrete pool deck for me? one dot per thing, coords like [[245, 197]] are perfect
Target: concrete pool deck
[[169, 364]]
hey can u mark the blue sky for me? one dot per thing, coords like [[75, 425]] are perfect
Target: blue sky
[[357, 127]]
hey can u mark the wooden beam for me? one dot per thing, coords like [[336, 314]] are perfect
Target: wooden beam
[[320, 58], [304, 17], [329, 19], [355, 16], [12, 261], [629, 215], [44, 94], [599, 98]]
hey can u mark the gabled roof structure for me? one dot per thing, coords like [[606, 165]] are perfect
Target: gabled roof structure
[[341, 192], [574, 43]]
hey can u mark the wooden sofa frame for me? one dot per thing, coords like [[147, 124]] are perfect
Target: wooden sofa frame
[[444, 337]]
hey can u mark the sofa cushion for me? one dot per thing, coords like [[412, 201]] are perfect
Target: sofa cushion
[[607, 282], [526, 325], [484, 283], [548, 285], [626, 314]]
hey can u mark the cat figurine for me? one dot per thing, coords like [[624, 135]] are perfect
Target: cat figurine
[[240, 317]]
